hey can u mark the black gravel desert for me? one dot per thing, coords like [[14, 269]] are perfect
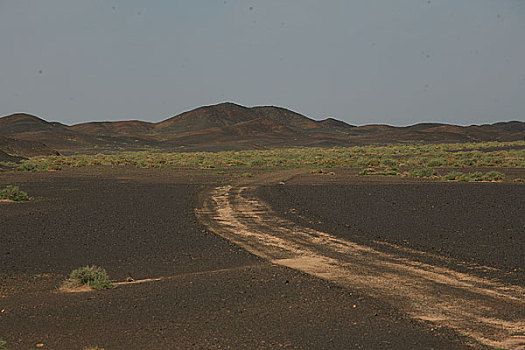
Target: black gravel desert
[[252, 242], [262, 175], [195, 287]]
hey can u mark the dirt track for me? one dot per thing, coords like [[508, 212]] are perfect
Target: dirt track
[[487, 310], [471, 223], [212, 293]]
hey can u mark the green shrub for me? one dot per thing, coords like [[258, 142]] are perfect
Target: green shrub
[[93, 276], [400, 156], [254, 163], [434, 162], [494, 176], [388, 162], [476, 176], [391, 172], [368, 171], [421, 172], [13, 193], [463, 178], [453, 175], [26, 166], [3, 344]]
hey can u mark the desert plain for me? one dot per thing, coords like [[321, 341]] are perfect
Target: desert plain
[[404, 244]]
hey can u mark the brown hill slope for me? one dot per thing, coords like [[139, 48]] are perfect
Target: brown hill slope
[[21, 122], [231, 126], [228, 114], [4, 157], [24, 148], [112, 128], [224, 114]]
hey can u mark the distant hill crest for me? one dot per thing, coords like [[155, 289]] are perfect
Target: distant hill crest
[[229, 126]]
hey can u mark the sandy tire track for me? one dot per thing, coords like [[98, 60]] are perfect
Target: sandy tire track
[[486, 310]]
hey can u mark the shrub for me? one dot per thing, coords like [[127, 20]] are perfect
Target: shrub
[[254, 163], [436, 162], [453, 175], [392, 172], [13, 193], [92, 276], [476, 176], [494, 176], [422, 172], [26, 166], [3, 344], [367, 171], [388, 162], [463, 178]]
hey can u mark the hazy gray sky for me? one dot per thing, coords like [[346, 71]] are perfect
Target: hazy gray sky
[[397, 62]]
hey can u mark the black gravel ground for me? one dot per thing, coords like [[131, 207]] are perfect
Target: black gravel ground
[[250, 308], [142, 230], [482, 223], [214, 295]]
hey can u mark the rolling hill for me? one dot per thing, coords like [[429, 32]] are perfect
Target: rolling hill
[[228, 126]]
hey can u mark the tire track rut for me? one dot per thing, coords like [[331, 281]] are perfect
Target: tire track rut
[[484, 309]]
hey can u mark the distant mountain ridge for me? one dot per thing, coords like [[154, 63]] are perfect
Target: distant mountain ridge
[[228, 126]]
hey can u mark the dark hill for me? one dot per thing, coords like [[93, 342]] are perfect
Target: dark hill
[[228, 126], [334, 123], [512, 126], [19, 123], [112, 128], [286, 117], [224, 114], [24, 148]]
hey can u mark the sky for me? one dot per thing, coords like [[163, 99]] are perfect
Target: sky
[[365, 61]]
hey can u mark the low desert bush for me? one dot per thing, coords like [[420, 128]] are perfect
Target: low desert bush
[[494, 176], [388, 162], [414, 156], [453, 175], [92, 276], [435, 162], [421, 172], [13, 193], [26, 166], [475, 176], [373, 171], [368, 171]]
